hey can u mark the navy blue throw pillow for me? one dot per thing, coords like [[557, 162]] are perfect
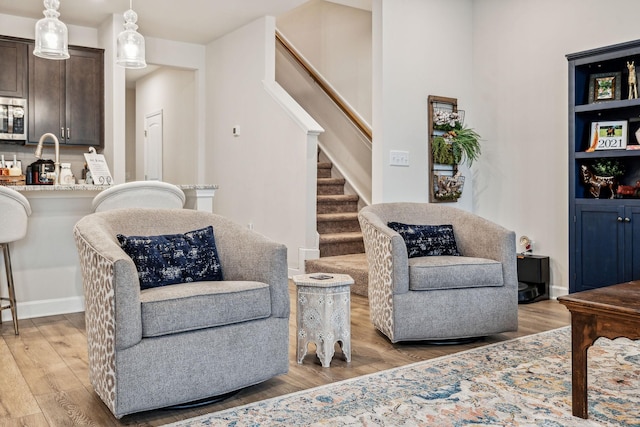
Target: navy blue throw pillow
[[427, 240], [174, 258]]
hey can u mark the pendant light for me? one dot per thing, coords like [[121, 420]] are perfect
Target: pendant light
[[130, 46], [51, 34]]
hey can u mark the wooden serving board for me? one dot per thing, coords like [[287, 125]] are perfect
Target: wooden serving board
[[12, 180]]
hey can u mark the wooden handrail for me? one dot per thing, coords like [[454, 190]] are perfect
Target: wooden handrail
[[325, 86]]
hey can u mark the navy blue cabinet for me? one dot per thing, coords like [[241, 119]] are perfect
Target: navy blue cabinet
[[604, 228], [607, 240]]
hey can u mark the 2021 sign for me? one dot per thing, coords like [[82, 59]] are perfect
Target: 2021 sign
[[608, 136]]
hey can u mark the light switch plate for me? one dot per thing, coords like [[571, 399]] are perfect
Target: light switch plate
[[398, 158]]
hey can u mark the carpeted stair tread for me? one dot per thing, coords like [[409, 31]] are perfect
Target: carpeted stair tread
[[324, 170], [328, 186], [341, 222], [352, 236], [355, 265], [338, 216], [330, 181], [337, 198]]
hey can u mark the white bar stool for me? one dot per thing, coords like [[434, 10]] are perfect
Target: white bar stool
[[140, 194], [14, 211]]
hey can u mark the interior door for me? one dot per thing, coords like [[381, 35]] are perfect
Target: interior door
[[153, 146]]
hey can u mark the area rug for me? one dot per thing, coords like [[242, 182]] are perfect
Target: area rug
[[521, 382]]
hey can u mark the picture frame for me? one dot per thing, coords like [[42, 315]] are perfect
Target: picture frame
[[608, 135], [605, 87]]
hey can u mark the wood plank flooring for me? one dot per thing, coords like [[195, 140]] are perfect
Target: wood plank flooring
[[44, 371]]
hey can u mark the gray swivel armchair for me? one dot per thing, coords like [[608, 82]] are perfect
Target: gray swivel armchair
[[439, 297], [163, 346]]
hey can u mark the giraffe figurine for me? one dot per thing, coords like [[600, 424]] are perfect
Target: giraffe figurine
[[633, 80]]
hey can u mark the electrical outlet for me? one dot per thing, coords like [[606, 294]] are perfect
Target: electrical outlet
[[398, 158]]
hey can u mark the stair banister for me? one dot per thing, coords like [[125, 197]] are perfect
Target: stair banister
[[347, 109]]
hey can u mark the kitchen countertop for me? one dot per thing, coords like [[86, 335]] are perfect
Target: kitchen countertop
[[90, 187]]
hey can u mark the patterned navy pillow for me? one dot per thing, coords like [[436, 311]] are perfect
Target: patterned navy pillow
[[174, 258], [427, 240]]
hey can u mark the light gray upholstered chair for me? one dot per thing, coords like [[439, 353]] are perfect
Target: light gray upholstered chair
[[180, 343], [140, 194], [14, 212], [439, 297]]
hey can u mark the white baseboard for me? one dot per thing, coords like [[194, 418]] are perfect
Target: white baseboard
[[51, 307], [556, 291]]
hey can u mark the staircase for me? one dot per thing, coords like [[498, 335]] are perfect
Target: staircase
[[341, 245]]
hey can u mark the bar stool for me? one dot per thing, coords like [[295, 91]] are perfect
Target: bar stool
[[140, 194], [14, 211]]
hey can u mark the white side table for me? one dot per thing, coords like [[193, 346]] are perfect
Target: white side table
[[323, 315]]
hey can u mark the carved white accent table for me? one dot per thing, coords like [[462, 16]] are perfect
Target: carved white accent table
[[323, 315]]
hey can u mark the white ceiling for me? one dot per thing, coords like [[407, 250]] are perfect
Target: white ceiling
[[192, 21]]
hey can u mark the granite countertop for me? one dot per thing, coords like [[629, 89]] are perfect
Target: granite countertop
[[89, 187]]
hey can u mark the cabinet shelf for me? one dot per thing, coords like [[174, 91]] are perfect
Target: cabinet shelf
[[583, 155], [607, 105]]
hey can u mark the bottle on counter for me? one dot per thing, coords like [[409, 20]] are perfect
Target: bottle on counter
[[29, 177], [66, 176], [15, 170]]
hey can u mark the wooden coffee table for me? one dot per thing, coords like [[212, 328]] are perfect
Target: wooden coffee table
[[610, 312]]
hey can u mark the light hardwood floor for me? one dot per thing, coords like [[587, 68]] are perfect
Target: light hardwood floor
[[44, 372]]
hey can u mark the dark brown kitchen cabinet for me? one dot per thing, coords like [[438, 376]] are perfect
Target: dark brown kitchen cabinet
[[66, 98], [13, 69]]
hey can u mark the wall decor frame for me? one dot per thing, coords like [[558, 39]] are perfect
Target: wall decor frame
[[605, 87], [445, 182]]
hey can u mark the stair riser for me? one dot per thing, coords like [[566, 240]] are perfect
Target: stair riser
[[341, 207], [335, 249], [324, 173], [330, 189], [326, 227]]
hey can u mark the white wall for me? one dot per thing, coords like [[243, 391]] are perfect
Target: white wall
[[130, 135], [171, 91], [521, 109], [420, 48], [264, 173], [336, 39]]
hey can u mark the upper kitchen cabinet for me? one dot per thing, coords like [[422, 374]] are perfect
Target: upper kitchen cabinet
[[13, 69], [66, 98]]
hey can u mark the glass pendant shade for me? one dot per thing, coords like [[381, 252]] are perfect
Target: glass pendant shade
[[130, 44], [52, 38]]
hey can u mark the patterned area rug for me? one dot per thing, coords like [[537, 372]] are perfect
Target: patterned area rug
[[521, 382]]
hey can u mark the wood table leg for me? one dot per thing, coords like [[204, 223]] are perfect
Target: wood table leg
[[583, 334]]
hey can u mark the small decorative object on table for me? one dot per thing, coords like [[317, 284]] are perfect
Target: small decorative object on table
[[323, 315], [526, 244]]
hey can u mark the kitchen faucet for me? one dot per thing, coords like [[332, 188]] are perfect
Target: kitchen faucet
[[56, 163]]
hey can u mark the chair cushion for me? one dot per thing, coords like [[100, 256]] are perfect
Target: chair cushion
[[174, 258], [453, 272], [427, 240], [190, 306]]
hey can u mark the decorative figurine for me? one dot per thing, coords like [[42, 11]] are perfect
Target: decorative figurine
[[633, 81], [596, 183]]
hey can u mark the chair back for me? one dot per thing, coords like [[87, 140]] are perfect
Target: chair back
[[14, 211], [140, 194]]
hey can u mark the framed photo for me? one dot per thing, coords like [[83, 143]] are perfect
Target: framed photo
[[605, 87], [608, 135]]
